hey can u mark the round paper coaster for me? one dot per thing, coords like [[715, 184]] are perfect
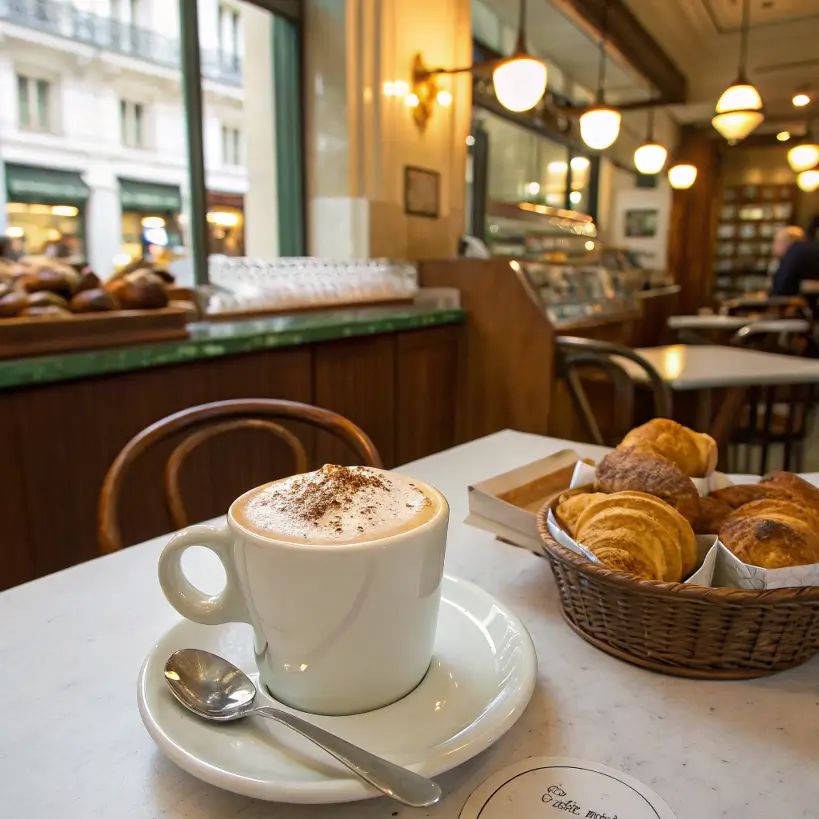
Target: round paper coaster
[[559, 787]]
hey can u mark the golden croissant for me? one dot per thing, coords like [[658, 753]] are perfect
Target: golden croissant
[[695, 453]]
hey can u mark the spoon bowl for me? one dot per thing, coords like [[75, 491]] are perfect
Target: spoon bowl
[[209, 685], [214, 689]]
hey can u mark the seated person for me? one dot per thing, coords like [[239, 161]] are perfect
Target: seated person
[[798, 260]]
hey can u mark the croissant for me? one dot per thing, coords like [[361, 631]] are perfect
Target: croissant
[[713, 513], [641, 468], [693, 452], [772, 534], [742, 493], [797, 486], [571, 507], [679, 542]]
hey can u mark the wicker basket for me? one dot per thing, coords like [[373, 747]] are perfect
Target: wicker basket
[[686, 630]]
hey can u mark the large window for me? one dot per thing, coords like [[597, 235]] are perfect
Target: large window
[[78, 184]]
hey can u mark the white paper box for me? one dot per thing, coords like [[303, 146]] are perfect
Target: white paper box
[[494, 508]]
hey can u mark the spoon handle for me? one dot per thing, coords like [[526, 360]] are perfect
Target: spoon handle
[[402, 785]]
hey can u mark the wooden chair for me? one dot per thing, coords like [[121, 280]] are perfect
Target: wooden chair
[[207, 422], [580, 353]]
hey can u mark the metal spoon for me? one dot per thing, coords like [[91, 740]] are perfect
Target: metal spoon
[[215, 689]]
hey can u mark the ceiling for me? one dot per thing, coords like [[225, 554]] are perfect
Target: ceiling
[[702, 37], [571, 52]]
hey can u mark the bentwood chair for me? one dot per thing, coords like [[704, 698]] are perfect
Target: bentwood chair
[[577, 354], [204, 423]]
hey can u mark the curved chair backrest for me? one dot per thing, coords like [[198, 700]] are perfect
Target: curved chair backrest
[[206, 422], [584, 352]]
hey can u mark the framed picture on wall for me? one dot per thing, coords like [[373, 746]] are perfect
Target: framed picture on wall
[[642, 222], [422, 192]]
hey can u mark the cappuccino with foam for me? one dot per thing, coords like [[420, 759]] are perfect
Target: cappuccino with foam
[[336, 505]]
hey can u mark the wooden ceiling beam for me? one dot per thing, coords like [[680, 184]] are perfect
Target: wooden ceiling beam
[[632, 42]]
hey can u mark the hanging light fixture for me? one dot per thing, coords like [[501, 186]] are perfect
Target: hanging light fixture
[[650, 157], [600, 126], [805, 154], [808, 181], [682, 176], [740, 109], [520, 81]]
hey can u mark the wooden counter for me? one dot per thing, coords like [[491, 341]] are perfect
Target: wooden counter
[[379, 368]]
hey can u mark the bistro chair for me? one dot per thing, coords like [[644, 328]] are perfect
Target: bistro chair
[[577, 354], [780, 415], [203, 424]]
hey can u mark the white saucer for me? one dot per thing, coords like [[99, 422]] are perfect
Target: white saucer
[[479, 683]]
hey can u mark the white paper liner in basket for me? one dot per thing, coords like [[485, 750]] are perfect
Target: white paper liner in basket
[[719, 567]]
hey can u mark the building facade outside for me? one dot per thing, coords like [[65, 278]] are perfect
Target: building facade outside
[[92, 128]]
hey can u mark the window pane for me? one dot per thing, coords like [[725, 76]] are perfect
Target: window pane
[[23, 101], [102, 196]]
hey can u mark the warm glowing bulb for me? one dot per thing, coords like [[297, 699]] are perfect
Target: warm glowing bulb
[[533, 188], [64, 210], [600, 127], [579, 163], [650, 158], [520, 83], [15, 232], [783, 136], [411, 100], [682, 176], [801, 100], [444, 98], [557, 167], [400, 88], [590, 245], [808, 181], [153, 222], [575, 197], [803, 157], [738, 112], [388, 88]]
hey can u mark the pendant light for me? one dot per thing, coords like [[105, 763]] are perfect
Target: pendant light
[[520, 81], [682, 176], [808, 181], [740, 109], [650, 157], [805, 154], [600, 126]]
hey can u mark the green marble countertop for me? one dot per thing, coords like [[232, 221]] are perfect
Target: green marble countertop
[[209, 340]]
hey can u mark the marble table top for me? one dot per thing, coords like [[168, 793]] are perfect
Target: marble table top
[[695, 367], [72, 744]]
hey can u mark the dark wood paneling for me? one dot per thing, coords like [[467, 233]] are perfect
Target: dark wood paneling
[[425, 390], [692, 228], [72, 432], [16, 564], [355, 378]]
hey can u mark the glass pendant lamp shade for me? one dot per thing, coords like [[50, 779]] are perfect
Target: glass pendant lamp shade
[[738, 112], [650, 157], [682, 176], [600, 127], [808, 181], [520, 82], [804, 156]]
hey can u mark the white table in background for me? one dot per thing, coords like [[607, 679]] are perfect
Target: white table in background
[[715, 321], [72, 745], [687, 367]]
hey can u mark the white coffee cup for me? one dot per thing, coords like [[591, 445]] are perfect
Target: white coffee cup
[[339, 629]]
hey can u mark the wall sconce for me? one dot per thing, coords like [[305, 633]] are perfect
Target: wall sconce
[[519, 80]]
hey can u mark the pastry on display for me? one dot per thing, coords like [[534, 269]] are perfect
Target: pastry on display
[[792, 483], [573, 505], [634, 532], [694, 453], [640, 468], [713, 513], [739, 495], [772, 534], [93, 301]]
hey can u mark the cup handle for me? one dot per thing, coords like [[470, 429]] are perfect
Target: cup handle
[[226, 607]]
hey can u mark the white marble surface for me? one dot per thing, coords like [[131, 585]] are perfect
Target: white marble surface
[[696, 367], [72, 745], [715, 321]]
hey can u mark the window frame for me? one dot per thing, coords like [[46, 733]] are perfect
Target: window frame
[[38, 120]]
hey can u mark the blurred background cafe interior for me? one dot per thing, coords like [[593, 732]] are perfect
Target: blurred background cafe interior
[[438, 218]]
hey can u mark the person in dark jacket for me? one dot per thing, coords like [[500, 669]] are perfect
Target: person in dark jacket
[[798, 260]]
